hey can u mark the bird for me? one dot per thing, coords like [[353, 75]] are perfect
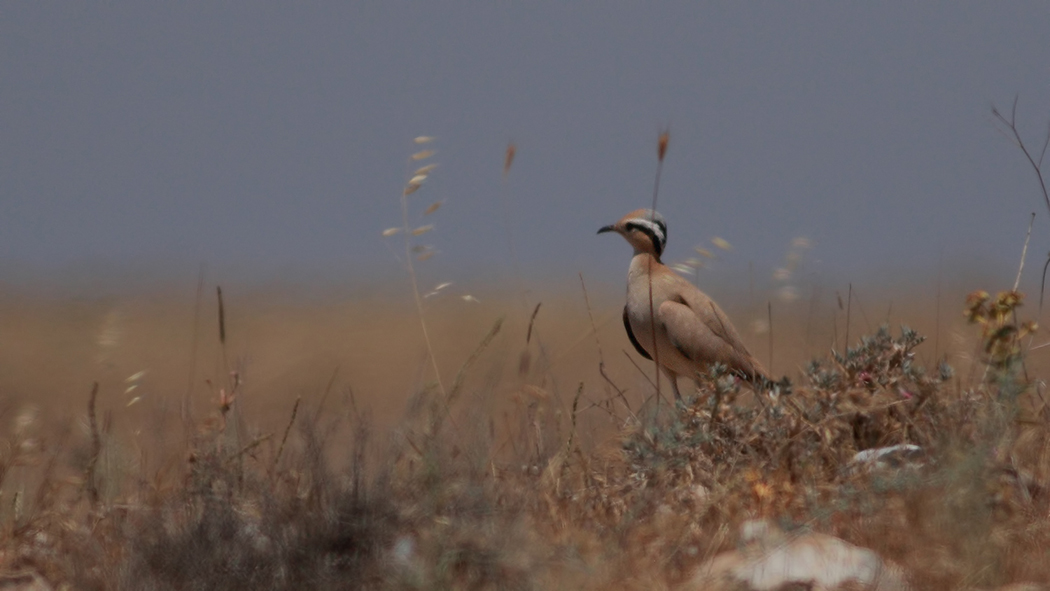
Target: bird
[[691, 331]]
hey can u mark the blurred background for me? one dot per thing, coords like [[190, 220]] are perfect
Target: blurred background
[[151, 151], [139, 141]]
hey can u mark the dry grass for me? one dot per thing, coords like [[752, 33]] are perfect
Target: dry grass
[[341, 464]]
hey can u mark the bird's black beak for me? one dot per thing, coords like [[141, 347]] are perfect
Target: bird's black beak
[[604, 229]]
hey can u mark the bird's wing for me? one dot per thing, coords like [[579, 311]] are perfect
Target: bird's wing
[[630, 335], [699, 329]]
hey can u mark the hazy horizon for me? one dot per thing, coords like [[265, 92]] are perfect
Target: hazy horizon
[[270, 145]]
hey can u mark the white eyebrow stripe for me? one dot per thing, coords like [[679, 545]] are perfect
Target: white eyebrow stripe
[[653, 227]]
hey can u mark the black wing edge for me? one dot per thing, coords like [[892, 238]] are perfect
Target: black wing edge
[[630, 335]]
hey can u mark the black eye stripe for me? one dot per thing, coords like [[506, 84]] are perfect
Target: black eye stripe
[[658, 241], [639, 227]]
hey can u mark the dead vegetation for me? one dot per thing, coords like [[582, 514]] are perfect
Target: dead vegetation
[[507, 478], [462, 494]]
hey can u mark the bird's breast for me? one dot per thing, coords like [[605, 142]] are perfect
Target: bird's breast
[[639, 312], [639, 288]]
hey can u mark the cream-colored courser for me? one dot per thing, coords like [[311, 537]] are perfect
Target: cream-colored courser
[[692, 332]]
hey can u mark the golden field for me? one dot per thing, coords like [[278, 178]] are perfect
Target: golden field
[[339, 461]]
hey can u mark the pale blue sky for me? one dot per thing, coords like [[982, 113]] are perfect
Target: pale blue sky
[[274, 136]]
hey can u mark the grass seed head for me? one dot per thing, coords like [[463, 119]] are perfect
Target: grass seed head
[[508, 159]]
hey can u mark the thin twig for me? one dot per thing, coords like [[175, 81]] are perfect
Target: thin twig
[[1024, 252], [46, 489], [769, 314], [415, 284], [231, 385], [1037, 166], [96, 448], [532, 320], [598, 344], [863, 313], [328, 388], [572, 432], [508, 227], [1042, 285], [287, 430], [849, 306], [937, 312], [661, 151], [814, 300], [604, 406], [640, 370], [457, 383], [187, 403], [247, 448], [222, 316], [835, 323]]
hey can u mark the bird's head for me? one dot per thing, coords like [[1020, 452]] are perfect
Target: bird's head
[[645, 229]]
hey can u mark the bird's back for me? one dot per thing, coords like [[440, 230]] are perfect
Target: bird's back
[[709, 336]]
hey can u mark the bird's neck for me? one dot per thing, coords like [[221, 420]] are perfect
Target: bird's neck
[[646, 252], [643, 264]]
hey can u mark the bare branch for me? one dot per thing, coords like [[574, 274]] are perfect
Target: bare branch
[[1046, 142], [1024, 252], [1011, 124]]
